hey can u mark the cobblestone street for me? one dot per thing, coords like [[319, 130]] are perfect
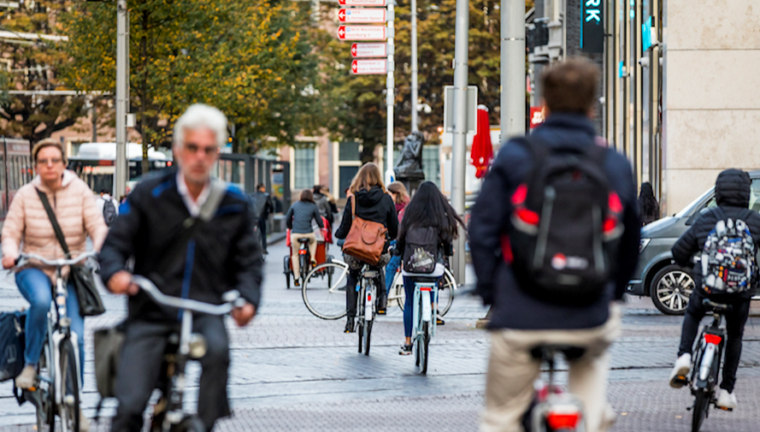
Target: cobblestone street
[[292, 371]]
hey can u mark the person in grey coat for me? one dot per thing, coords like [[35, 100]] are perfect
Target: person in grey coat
[[298, 220], [262, 207]]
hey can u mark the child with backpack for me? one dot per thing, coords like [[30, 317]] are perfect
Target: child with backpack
[[425, 237], [725, 239]]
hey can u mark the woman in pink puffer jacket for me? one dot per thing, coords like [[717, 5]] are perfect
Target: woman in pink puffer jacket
[[75, 209]]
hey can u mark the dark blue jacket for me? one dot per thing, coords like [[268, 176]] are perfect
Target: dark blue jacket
[[224, 254], [511, 307]]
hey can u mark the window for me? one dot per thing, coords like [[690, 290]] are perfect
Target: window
[[431, 164], [349, 151], [304, 167]]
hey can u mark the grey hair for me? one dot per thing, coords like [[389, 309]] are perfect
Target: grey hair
[[200, 115]]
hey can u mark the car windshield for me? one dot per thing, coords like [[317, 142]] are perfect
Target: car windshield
[[690, 208]]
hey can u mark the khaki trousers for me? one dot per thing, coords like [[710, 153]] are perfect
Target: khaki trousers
[[294, 246], [512, 372]]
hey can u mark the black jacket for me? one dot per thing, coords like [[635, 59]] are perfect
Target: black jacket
[[732, 192], [223, 254], [372, 205], [512, 307], [262, 205]]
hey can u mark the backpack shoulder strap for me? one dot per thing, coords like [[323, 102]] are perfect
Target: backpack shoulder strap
[[597, 153], [54, 221], [536, 147]]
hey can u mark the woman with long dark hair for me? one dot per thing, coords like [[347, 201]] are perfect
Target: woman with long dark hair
[[427, 209], [649, 208]]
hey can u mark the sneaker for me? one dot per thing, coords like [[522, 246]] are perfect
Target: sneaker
[[27, 378], [350, 325], [726, 400], [296, 282], [405, 350], [84, 423], [679, 376]]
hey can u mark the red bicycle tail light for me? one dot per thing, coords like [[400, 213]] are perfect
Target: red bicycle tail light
[[713, 339], [561, 421], [302, 252]]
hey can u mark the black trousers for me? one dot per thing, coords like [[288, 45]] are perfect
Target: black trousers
[[140, 370], [263, 233], [735, 321], [354, 271]]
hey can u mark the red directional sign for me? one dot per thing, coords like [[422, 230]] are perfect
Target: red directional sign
[[369, 49], [361, 15], [362, 2], [369, 67], [361, 32]]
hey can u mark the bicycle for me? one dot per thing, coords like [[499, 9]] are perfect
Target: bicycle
[[423, 317], [446, 291], [553, 410], [324, 290], [705, 366], [58, 386], [366, 307], [168, 415]]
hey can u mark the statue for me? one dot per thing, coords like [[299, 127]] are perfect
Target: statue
[[409, 167]]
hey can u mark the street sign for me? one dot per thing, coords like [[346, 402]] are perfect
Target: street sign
[[361, 32], [380, 3], [471, 106], [592, 26], [361, 15], [369, 67], [536, 116], [369, 49]]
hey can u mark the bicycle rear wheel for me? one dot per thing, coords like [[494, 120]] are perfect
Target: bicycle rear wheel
[[702, 401], [423, 346], [367, 336], [68, 411], [324, 291]]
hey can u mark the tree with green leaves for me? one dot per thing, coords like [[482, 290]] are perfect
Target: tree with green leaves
[[33, 63], [249, 59]]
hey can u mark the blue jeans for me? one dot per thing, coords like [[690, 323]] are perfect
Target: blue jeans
[[390, 271], [408, 311], [35, 286]]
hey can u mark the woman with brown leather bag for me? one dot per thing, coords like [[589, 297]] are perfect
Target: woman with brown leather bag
[[369, 221]]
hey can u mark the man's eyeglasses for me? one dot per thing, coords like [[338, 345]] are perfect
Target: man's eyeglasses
[[195, 148], [51, 161]]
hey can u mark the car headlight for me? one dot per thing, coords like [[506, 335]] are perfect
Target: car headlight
[[643, 244]]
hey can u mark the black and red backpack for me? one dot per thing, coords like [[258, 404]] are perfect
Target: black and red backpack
[[565, 227]]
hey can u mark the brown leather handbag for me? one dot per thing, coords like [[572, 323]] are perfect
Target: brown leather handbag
[[366, 239]]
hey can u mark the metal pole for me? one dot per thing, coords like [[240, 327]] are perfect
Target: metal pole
[[390, 94], [459, 149], [415, 120], [93, 102], [122, 96], [512, 68]]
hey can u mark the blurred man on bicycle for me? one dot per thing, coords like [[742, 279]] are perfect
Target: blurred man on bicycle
[[221, 255], [732, 193], [521, 319]]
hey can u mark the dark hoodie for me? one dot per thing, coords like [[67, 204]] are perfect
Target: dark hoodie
[[732, 192], [372, 205]]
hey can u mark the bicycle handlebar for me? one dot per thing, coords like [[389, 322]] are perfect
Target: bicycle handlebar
[[231, 299], [57, 262]]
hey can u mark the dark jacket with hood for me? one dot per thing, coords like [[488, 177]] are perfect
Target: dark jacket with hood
[[732, 192], [512, 307], [372, 205]]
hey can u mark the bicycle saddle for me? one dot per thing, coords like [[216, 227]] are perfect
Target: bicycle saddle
[[547, 352], [717, 307]]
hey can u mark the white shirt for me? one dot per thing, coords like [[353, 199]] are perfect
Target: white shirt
[[101, 202], [194, 207]]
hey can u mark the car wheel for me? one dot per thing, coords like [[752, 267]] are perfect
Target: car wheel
[[671, 288]]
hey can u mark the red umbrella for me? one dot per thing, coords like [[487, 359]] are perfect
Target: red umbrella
[[482, 149]]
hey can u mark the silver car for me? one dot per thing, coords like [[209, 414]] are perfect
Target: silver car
[[657, 275]]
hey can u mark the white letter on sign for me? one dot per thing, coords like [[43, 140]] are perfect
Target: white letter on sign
[[593, 2], [593, 14]]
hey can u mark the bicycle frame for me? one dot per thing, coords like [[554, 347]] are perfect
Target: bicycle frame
[[711, 348], [424, 292]]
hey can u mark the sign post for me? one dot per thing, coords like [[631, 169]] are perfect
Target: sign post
[[356, 15], [369, 67], [592, 26], [369, 49], [361, 32], [390, 96]]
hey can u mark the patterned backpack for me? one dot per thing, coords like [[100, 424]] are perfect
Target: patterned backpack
[[728, 257]]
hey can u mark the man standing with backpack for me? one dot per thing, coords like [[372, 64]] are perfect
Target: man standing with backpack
[[727, 237], [262, 207], [107, 207], [554, 238]]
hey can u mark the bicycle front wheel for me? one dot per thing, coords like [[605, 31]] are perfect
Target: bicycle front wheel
[[324, 290], [68, 411]]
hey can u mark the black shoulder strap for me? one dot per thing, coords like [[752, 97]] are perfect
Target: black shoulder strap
[[54, 222]]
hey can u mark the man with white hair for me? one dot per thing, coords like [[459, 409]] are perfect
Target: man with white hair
[[193, 236]]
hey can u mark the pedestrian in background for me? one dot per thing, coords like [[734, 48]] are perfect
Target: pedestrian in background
[[107, 207], [400, 196], [298, 220], [649, 208], [262, 207], [523, 315], [323, 203]]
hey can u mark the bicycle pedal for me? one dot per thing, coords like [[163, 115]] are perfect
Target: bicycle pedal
[[725, 409]]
